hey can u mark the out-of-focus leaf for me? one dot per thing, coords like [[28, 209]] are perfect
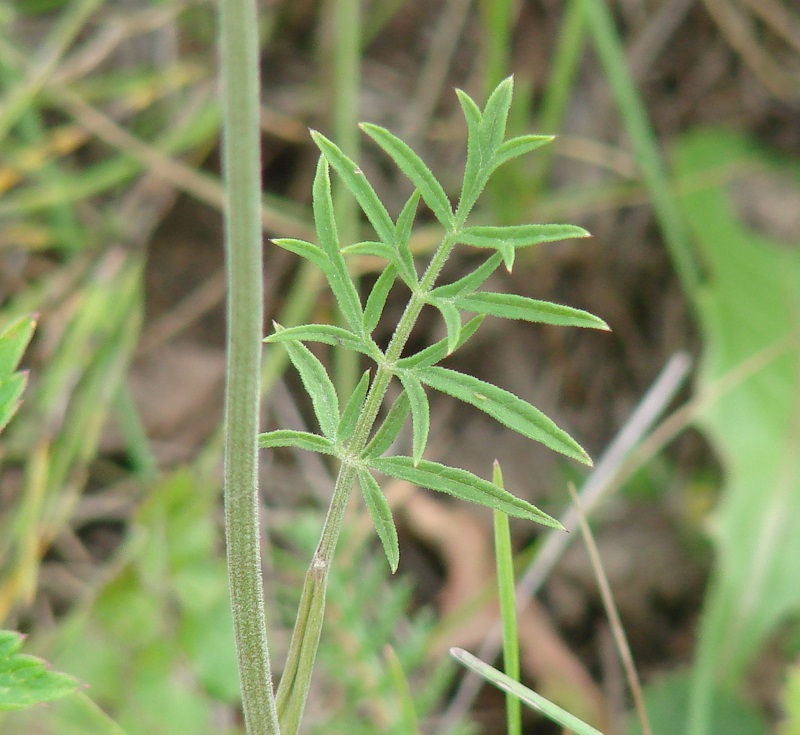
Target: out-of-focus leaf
[[748, 308], [25, 680]]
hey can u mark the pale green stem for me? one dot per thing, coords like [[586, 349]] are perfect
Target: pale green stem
[[242, 173]]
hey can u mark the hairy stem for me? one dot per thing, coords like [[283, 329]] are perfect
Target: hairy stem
[[241, 163]]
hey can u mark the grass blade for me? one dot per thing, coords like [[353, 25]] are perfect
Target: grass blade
[[506, 593], [532, 699]]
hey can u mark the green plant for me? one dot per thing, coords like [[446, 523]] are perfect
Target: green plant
[[347, 423]]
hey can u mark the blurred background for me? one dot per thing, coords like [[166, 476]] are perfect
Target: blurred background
[[678, 147]]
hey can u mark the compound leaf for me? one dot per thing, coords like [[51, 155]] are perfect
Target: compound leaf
[[381, 517], [505, 407], [461, 484]]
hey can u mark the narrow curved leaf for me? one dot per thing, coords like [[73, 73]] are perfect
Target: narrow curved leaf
[[352, 409], [495, 117], [317, 384], [390, 428], [405, 224], [387, 252], [328, 334], [505, 407], [26, 680], [300, 439], [519, 146], [420, 412], [452, 320], [461, 484], [306, 250], [381, 515], [377, 298], [535, 701], [471, 281], [414, 167], [512, 306], [325, 223], [470, 188], [359, 187], [439, 350]]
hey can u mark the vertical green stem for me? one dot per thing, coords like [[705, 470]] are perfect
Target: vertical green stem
[[242, 172]]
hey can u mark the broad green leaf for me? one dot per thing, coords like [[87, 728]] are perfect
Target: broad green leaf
[[519, 146], [420, 412], [390, 428], [325, 223], [300, 439], [414, 167], [359, 187], [471, 281], [328, 334], [495, 116], [26, 680], [452, 320], [512, 306], [377, 298], [381, 517], [532, 699], [352, 409], [306, 250], [505, 407], [461, 484], [13, 341], [439, 350], [10, 393], [317, 384]]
